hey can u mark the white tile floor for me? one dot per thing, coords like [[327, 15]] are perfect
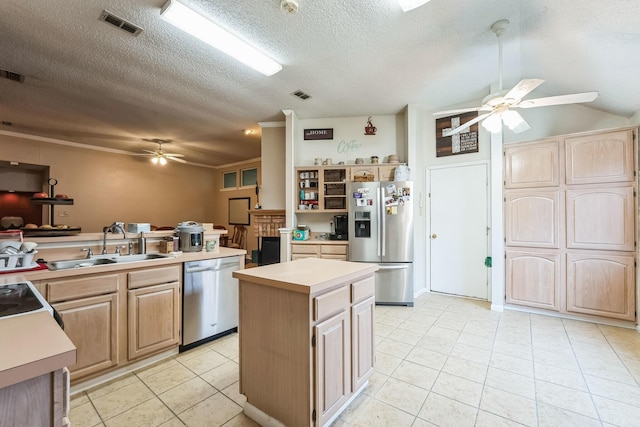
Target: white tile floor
[[445, 362]]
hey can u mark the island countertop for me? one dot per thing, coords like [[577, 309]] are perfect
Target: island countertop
[[308, 275]]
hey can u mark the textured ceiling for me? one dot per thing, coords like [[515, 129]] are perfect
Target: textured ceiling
[[89, 82]]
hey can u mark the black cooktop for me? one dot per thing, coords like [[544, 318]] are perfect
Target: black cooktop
[[17, 298]]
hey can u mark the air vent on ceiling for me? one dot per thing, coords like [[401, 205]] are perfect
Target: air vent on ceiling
[[114, 20], [300, 94], [10, 75]]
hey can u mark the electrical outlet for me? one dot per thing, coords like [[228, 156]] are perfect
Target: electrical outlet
[[63, 213]]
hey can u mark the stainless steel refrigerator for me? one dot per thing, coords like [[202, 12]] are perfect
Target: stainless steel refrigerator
[[381, 232]]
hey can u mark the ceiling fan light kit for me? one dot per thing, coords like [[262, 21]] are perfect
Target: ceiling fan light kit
[[160, 156], [499, 105], [408, 5], [203, 28]]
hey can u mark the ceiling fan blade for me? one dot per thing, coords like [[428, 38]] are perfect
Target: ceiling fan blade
[[574, 98], [514, 121], [150, 152], [466, 125], [461, 110], [520, 90], [175, 159], [174, 154]]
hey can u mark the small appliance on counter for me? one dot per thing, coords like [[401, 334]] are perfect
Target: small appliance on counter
[[302, 232], [191, 236], [339, 228]]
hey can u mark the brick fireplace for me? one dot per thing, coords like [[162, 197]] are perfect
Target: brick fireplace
[[266, 225]]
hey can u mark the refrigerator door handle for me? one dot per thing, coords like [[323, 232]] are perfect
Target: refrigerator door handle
[[383, 220], [379, 222], [392, 267]]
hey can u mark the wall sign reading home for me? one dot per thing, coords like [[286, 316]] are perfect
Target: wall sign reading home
[[318, 133], [459, 143]]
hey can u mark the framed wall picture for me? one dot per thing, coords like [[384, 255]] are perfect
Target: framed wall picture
[[459, 143], [239, 211]]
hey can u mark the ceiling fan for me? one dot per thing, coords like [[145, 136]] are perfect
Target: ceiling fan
[[498, 107], [161, 156]]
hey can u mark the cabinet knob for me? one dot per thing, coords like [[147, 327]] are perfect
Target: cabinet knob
[[433, 236]]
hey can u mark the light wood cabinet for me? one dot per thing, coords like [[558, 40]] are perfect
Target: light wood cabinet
[[601, 157], [114, 319], [369, 173], [570, 213], [328, 251], [532, 218], [39, 401], [309, 339], [532, 165], [601, 218], [363, 338], [322, 189], [153, 310], [602, 285], [333, 364], [534, 279], [89, 307]]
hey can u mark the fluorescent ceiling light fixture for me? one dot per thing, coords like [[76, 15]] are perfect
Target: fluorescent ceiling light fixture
[[206, 30], [408, 5]]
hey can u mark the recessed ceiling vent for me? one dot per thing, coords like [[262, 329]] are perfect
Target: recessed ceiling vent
[[116, 21], [300, 94], [10, 75]]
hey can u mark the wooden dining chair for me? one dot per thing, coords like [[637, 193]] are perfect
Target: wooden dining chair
[[239, 239]]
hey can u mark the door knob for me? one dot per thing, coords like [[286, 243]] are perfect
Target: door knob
[[433, 236]]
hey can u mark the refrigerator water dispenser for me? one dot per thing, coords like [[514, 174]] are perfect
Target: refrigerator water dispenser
[[362, 224]]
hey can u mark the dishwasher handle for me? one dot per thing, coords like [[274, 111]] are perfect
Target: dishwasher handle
[[212, 268]]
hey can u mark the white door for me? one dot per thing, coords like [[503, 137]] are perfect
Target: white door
[[458, 230]]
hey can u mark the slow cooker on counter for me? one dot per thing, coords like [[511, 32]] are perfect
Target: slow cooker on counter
[[191, 236]]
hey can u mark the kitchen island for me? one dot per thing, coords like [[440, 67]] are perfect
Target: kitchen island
[[306, 339]]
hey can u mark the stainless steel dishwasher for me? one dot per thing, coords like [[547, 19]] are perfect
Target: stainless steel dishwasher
[[209, 300]]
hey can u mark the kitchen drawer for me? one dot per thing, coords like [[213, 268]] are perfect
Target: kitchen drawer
[[362, 289], [304, 249], [330, 303], [333, 249], [154, 276], [68, 289]]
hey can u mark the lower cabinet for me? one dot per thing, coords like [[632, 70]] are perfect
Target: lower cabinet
[[534, 279], [314, 350], [111, 323], [153, 310], [333, 356], [89, 307], [319, 250], [601, 284], [39, 401]]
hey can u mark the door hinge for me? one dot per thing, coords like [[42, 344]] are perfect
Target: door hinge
[[313, 415], [505, 239], [313, 341]]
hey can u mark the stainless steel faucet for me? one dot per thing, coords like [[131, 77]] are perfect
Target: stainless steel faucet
[[115, 227]]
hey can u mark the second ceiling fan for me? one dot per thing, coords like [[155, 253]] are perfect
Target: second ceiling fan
[[498, 107]]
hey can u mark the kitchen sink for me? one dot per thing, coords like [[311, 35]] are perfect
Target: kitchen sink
[[90, 262], [77, 263], [139, 257]]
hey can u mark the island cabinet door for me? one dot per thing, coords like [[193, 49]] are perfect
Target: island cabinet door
[[362, 321], [154, 319], [92, 325], [333, 366]]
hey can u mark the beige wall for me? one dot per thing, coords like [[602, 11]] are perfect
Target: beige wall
[[108, 187], [273, 187]]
